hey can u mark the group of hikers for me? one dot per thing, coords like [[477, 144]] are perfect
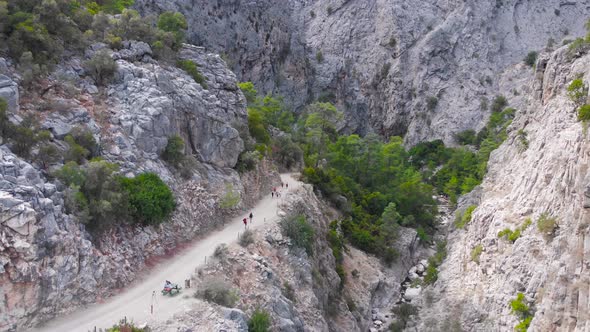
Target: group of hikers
[[274, 193], [245, 220]]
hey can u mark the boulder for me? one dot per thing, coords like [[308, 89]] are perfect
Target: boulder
[[9, 91], [134, 51], [412, 293]]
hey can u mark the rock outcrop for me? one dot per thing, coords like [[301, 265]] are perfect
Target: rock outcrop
[[414, 68], [541, 176]]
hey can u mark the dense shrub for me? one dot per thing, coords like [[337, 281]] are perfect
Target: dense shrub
[[193, 70], [94, 194], [499, 104], [221, 251], [48, 154], [247, 161], [76, 152], [299, 231], [150, 199], [584, 113], [531, 58], [466, 137], [22, 137], [431, 103], [259, 321], [247, 238], [218, 291], [174, 151], [101, 67]]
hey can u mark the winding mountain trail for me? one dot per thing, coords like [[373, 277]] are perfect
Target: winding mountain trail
[[135, 302]]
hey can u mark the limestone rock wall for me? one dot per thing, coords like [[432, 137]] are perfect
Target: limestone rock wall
[[382, 60], [550, 176]]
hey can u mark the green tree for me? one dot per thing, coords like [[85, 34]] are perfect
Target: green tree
[[320, 126], [173, 22], [101, 67], [249, 92], [150, 199]]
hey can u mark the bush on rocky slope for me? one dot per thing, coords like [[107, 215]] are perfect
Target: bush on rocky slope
[[259, 321], [45, 30], [100, 198], [298, 229], [218, 291], [150, 199]]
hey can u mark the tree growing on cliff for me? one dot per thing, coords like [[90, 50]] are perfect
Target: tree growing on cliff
[[174, 23], [101, 67], [174, 151]]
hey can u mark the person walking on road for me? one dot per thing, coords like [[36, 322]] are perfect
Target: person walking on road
[[287, 185], [251, 215], [245, 223], [272, 194]]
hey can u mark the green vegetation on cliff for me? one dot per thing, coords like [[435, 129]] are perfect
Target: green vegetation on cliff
[[378, 185]]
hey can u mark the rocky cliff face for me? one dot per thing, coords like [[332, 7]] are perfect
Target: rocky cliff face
[[414, 68], [549, 175], [49, 263]]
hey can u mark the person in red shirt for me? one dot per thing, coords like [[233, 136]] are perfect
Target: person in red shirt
[[245, 222]]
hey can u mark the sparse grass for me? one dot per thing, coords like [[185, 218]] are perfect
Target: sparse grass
[[476, 253], [511, 235], [465, 218], [547, 224], [289, 292]]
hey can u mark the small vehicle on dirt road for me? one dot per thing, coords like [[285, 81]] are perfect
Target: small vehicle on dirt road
[[171, 289]]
